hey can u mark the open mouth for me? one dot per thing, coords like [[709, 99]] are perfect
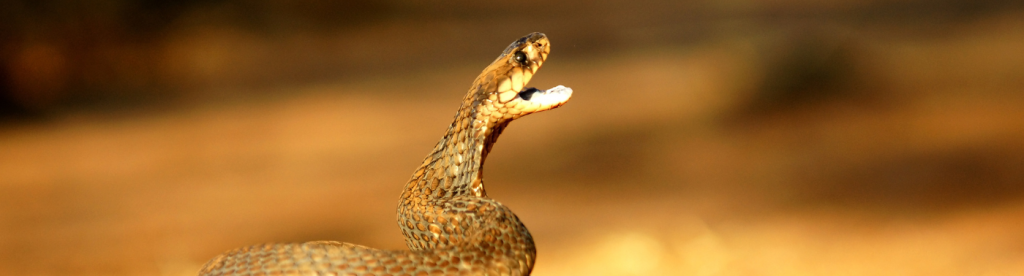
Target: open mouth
[[554, 96]]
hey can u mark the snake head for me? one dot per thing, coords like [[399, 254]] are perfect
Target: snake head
[[501, 92]]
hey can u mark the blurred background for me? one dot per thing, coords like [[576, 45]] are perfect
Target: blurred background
[[730, 137]]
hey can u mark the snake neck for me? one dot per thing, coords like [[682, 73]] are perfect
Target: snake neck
[[455, 166]]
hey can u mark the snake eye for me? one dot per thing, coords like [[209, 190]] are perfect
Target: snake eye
[[520, 58]]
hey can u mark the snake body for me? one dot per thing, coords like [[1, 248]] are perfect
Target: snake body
[[449, 223]]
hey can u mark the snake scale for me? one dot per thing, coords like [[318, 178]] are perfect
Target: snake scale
[[449, 223]]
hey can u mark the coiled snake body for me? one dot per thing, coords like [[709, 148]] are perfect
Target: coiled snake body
[[449, 223]]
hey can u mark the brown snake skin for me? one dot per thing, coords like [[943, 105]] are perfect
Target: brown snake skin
[[449, 223]]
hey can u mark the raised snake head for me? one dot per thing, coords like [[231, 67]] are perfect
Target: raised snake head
[[500, 93]]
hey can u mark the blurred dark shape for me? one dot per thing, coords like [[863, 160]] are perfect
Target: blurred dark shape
[[56, 50], [110, 53], [806, 69], [36, 74], [10, 107]]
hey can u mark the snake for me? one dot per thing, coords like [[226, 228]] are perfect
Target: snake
[[450, 224]]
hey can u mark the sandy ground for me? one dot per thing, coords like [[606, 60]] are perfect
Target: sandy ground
[[663, 163]]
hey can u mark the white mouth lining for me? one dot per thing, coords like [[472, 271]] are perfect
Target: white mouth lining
[[555, 95]]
